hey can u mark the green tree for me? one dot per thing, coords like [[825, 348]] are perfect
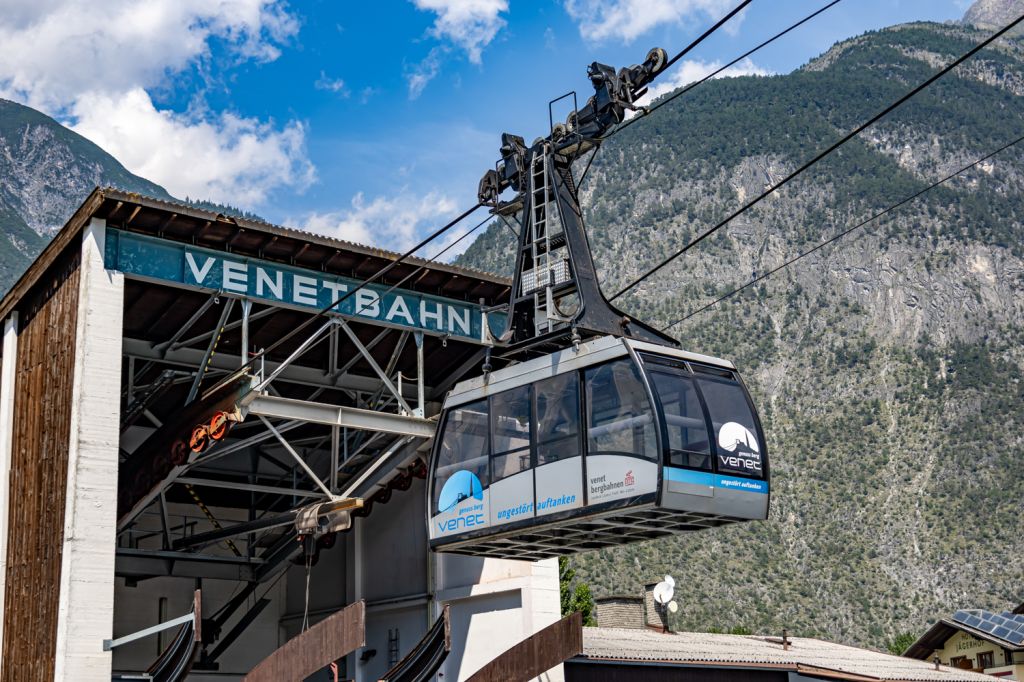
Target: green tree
[[575, 599], [900, 643]]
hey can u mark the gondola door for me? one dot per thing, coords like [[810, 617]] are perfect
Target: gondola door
[[559, 469]]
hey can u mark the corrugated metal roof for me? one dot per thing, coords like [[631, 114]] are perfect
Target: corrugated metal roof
[[804, 654]]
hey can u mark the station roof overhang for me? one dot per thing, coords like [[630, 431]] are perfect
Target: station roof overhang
[[178, 316], [247, 237]]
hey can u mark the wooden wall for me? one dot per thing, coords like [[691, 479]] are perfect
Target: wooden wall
[[38, 478]]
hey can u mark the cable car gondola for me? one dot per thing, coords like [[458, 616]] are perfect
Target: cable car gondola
[[599, 430], [616, 442]]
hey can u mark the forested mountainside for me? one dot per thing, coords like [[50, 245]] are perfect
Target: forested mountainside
[[887, 367], [46, 171]]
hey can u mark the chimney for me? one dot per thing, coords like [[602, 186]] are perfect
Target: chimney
[[655, 615]]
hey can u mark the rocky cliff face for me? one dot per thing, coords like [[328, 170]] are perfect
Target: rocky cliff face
[[887, 367], [46, 171], [993, 14]]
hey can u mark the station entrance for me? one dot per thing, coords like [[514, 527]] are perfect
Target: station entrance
[[283, 488]]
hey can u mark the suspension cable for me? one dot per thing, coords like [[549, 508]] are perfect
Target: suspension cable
[[430, 260], [679, 93], [699, 39], [842, 234], [836, 145]]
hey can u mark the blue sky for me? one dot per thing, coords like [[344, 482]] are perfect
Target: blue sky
[[372, 121]]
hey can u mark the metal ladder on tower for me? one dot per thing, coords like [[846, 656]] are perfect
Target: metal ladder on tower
[[551, 270]]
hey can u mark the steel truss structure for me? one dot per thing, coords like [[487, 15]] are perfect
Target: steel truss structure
[[309, 436]]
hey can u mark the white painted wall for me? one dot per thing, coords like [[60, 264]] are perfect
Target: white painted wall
[[7, 374], [137, 608], [494, 604], [86, 606]]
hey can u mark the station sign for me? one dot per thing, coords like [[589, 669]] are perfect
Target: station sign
[[154, 259]]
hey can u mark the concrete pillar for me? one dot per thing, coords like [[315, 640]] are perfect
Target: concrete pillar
[[86, 608], [6, 443], [495, 604]]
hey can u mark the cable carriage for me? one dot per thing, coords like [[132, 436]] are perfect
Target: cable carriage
[[599, 430]]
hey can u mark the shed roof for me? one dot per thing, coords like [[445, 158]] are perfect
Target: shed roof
[[804, 655]]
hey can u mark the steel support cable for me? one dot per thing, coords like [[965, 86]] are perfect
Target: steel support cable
[[428, 262], [842, 234], [643, 113], [836, 145], [351, 292], [699, 39]]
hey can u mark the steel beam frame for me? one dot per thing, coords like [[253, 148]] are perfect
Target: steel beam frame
[[340, 416], [294, 374]]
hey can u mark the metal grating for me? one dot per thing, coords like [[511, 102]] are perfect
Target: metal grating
[[539, 277], [574, 535], [1006, 626]]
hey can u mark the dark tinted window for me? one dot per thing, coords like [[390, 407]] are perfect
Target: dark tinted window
[[558, 418], [735, 432], [619, 419], [463, 446], [684, 421], [510, 432]]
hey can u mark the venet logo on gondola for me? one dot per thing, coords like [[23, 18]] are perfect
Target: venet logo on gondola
[[740, 451], [463, 495]]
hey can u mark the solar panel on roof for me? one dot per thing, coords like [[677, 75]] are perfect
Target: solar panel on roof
[[1016, 637], [986, 626], [1001, 631], [972, 621]]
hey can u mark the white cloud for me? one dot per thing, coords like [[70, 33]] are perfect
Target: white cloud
[[391, 222], [335, 85], [221, 157], [470, 24], [421, 74], [55, 49], [629, 19], [97, 66], [688, 71]]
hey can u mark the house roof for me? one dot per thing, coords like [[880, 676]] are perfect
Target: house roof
[[812, 657], [1005, 629]]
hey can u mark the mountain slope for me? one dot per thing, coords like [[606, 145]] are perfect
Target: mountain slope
[[888, 369], [46, 170]]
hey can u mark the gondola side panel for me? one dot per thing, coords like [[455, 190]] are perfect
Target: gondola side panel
[[39, 463]]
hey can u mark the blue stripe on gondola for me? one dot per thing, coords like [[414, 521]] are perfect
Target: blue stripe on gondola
[[716, 480]]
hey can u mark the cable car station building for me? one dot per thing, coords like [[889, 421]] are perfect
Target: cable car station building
[[144, 458]]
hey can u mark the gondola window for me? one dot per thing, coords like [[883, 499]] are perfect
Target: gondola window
[[684, 420], [510, 432], [620, 420], [464, 448], [738, 448], [558, 418]]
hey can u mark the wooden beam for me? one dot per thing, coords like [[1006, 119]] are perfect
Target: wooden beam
[[336, 636], [536, 654]]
